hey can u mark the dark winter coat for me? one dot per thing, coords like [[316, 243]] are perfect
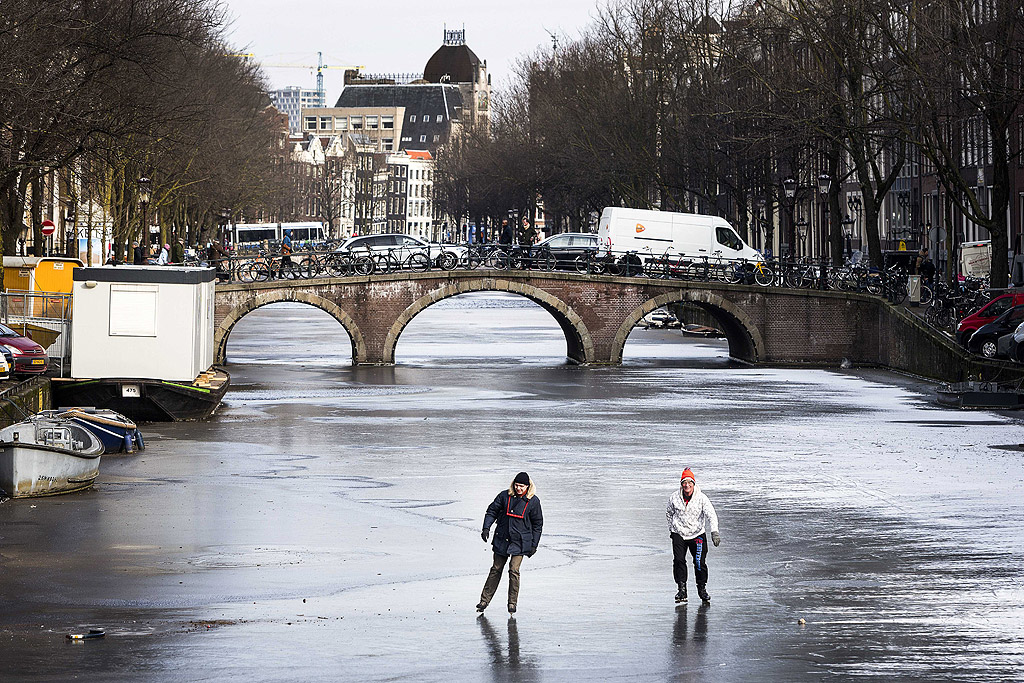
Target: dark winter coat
[[520, 523], [139, 256]]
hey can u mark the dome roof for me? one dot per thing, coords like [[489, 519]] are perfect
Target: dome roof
[[452, 64]]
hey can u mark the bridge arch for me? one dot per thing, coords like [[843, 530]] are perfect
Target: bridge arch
[[745, 340], [273, 296], [579, 343]]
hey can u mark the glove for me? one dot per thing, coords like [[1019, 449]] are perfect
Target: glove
[[531, 553], [716, 538], [484, 534]]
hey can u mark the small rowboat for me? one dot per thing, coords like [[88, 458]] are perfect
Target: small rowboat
[[117, 432], [44, 456]]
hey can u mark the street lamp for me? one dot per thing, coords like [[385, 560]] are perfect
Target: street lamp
[[847, 233], [824, 185], [789, 187], [144, 188], [801, 228]]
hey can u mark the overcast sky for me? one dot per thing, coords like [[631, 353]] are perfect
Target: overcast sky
[[396, 36]]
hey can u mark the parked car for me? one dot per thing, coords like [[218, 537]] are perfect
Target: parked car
[[986, 314], [985, 340], [6, 363], [566, 247], [401, 247], [1012, 345], [29, 357]]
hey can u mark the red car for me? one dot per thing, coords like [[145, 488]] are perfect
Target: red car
[[988, 313], [29, 358]]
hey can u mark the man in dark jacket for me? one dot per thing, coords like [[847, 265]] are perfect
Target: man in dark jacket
[[520, 522], [138, 254]]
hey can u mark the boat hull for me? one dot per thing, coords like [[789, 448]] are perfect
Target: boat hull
[[117, 433], [29, 470], [144, 400]]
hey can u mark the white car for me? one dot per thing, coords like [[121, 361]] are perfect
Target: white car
[[391, 251]]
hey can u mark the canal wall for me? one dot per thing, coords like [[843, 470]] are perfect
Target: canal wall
[[18, 399]]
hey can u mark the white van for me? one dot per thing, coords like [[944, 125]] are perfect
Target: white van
[[976, 259], [654, 233]]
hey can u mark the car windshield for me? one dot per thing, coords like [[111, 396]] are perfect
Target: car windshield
[[7, 332]]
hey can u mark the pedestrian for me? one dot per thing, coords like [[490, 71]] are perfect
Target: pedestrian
[[178, 251], [505, 236], [924, 267], [520, 522], [138, 254], [690, 514], [286, 253], [165, 255]]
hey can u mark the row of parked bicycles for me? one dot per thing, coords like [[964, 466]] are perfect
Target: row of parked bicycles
[[767, 273]]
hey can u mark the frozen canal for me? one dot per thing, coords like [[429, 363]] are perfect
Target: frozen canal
[[325, 524]]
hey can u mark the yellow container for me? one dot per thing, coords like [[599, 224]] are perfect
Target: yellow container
[[50, 274]]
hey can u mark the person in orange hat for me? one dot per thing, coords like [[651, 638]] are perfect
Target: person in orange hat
[[690, 516]]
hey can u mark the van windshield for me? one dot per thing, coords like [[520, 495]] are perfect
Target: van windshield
[[728, 238]]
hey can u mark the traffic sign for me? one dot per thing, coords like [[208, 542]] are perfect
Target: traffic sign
[[48, 227]]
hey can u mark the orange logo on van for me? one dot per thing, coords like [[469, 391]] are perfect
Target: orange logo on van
[[640, 228]]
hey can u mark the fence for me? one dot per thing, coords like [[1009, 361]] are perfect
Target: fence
[[45, 317]]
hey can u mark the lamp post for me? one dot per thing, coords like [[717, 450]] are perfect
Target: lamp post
[[903, 199], [856, 205], [144, 187], [762, 222], [789, 187], [824, 185], [801, 232], [847, 232]]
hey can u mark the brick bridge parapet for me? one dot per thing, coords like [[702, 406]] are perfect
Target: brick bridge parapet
[[597, 314]]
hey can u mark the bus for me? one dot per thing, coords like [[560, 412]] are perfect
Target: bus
[[255, 233]]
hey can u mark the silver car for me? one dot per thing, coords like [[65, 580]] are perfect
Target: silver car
[[393, 251]]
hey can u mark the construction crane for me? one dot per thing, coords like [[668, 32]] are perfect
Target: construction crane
[[320, 66]]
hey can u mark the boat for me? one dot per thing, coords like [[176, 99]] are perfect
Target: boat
[[691, 330], [44, 455], [973, 394], [147, 400], [117, 432]]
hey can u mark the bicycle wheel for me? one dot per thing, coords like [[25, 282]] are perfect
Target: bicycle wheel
[[258, 271], [381, 263], [898, 292], [926, 295], [581, 264], [732, 273], [338, 265], [763, 275], [545, 260], [363, 265], [309, 266], [417, 262], [447, 261]]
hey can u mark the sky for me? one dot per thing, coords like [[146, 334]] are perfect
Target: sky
[[397, 36]]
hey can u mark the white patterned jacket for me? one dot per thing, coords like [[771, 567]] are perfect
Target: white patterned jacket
[[692, 519]]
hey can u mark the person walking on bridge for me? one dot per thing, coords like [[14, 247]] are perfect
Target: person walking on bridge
[[520, 522], [690, 515]]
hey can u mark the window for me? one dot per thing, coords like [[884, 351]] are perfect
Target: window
[[440, 118], [310, 123], [408, 139], [357, 123], [436, 138], [387, 122], [389, 144], [371, 122], [728, 238], [423, 138], [560, 241], [341, 123], [412, 118], [325, 122]]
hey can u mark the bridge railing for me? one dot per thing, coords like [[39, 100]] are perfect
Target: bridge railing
[[789, 273]]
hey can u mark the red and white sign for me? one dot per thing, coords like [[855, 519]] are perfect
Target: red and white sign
[[48, 227]]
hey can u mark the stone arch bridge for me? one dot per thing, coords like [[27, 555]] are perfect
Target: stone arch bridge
[[597, 314]]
